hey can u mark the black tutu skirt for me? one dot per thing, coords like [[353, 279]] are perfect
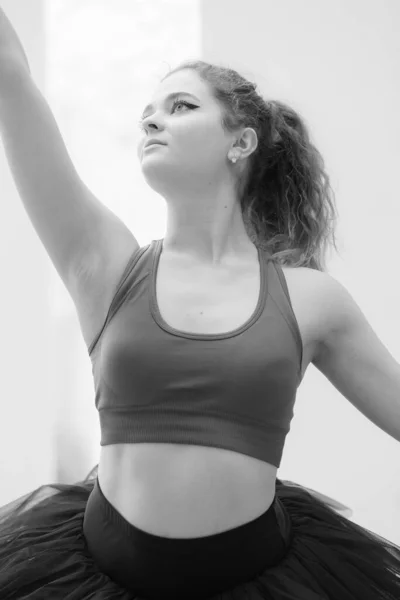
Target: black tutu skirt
[[43, 552]]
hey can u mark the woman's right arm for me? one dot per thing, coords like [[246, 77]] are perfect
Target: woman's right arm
[[11, 49], [76, 229]]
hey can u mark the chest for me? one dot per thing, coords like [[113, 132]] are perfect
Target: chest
[[204, 301], [197, 300]]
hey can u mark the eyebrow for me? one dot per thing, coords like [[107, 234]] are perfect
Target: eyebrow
[[169, 97]]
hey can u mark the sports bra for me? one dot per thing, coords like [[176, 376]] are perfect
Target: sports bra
[[233, 390]]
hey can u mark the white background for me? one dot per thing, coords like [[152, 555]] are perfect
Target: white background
[[97, 62]]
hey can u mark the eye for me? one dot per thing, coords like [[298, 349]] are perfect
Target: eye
[[174, 104], [177, 102]]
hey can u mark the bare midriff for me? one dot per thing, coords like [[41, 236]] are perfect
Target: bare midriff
[[185, 491]]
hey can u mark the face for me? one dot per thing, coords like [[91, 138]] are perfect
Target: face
[[196, 144]]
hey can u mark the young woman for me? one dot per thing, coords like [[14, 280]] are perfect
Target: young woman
[[199, 342]]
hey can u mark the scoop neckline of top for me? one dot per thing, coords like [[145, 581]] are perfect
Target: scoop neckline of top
[[156, 314]]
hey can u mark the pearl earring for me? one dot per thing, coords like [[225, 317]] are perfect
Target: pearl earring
[[234, 158]]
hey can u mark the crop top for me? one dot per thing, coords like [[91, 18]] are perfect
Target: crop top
[[233, 390]]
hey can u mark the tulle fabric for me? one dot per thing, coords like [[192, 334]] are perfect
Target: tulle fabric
[[43, 553]]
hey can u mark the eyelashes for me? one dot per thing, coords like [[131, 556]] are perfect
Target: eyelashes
[[175, 103]]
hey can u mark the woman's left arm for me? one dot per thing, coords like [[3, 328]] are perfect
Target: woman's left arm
[[355, 361]]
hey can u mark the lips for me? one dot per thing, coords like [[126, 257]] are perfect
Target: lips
[[152, 142]]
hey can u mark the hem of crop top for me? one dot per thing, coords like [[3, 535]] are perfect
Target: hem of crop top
[[160, 426], [155, 312]]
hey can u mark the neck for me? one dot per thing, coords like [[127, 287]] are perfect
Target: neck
[[212, 236]]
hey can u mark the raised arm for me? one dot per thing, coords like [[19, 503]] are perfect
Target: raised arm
[[11, 49], [76, 229]]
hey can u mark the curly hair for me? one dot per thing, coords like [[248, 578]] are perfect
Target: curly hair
[[287, 203]]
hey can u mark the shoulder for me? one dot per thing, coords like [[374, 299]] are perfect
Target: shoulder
[[337, 311], [311, 282], [317, 283], [319, 300], [328, 292]]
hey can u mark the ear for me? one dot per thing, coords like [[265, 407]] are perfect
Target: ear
[[248, 142]]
